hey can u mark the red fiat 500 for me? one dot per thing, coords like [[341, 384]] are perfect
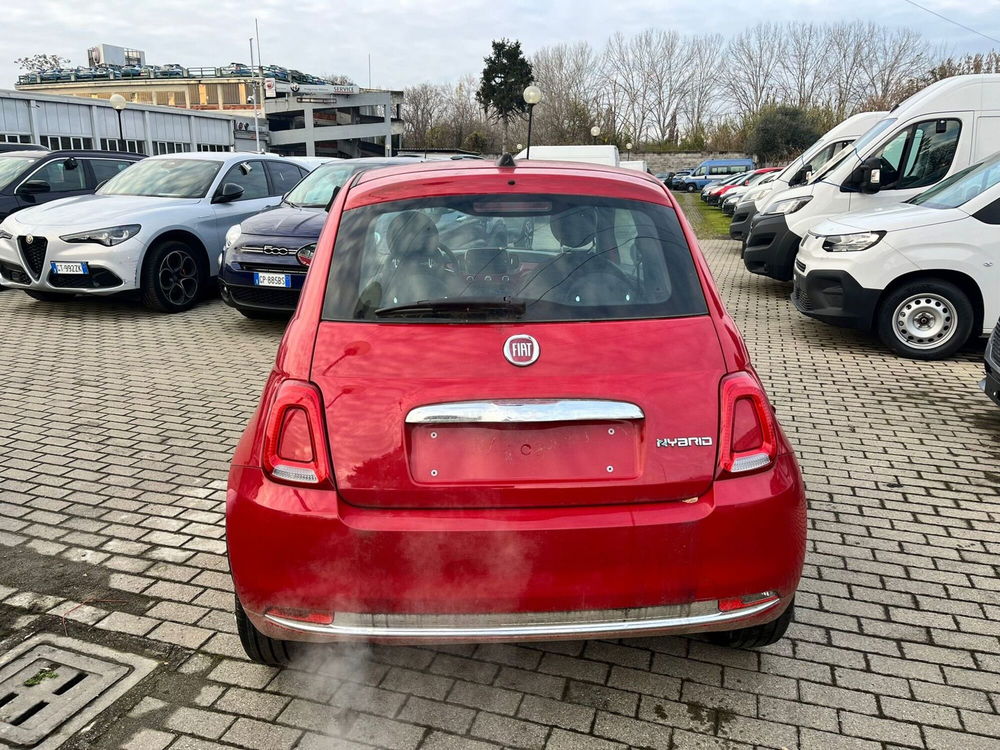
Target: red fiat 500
[[553, 434]]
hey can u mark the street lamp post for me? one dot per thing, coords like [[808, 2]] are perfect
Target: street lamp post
[[628, 148], [118, 102], [532, 96], [594, 132]]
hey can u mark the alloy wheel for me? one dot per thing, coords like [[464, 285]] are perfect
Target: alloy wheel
[[178, 277]]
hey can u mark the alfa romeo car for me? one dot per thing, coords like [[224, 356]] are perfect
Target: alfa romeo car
[[465, 443], [156, 227]]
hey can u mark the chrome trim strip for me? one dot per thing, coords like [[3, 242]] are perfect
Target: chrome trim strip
[[357, 625], [526, 410]]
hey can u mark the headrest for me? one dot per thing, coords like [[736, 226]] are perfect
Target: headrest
[[575, 227], [412, 234]]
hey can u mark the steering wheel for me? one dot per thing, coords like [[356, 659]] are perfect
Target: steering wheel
[[449, 255]]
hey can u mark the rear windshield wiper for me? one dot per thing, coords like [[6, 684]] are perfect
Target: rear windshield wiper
[[456, 307]]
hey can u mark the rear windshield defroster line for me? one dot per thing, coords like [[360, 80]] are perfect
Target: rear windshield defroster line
[[523, 257]]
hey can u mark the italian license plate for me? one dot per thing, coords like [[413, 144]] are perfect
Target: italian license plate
[[70, 269], [272, 279]]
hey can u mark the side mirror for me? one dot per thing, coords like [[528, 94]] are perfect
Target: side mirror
[[333, 197], [32, 187], [798, 178], [229, 192], [871, 175]]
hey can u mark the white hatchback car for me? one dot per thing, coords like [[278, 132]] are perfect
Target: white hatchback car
[[924, 274], [158, 229]]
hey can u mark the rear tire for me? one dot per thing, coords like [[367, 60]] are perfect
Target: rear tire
[[173, 277], [690, 188], [48, 296], [259, 647], [756, 636], [926, 319]]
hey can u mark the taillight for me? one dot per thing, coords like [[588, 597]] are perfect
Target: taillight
[[748, 435], [295, 447]]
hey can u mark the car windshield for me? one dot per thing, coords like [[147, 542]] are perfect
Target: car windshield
[[854, 149], [12, 166], [164, 178], [316, 189], [962, 186], [472, 258]]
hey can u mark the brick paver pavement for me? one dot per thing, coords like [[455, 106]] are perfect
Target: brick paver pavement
[[116, 426]]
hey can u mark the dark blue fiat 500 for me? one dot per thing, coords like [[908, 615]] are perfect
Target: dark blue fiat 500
[[265, 258]]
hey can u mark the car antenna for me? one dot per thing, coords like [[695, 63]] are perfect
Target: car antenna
[[507, 160]]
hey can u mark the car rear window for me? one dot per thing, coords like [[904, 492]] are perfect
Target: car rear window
[[475, 258]]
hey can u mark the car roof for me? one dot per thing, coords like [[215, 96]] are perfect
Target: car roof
[[65, 153], [453, 177], [224, 156]]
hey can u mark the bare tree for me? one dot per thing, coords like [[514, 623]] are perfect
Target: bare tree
[[568, 76], [805, 65], [668, 76], [895, 58], [750, 77], [848, 47], [702, 101], [421, 108]]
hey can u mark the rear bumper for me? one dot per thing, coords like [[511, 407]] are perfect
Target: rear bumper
[[835, 297], [518, 574], [771, 247]]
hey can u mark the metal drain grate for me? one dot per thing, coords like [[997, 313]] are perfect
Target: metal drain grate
[[51, 686]]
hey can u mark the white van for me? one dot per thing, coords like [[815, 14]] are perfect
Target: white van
[[936, 132], [639, 165], [801, 169], [924, 274], [606, 155]]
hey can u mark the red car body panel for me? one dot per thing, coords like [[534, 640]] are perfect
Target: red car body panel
[[723, 189], [379, 538]]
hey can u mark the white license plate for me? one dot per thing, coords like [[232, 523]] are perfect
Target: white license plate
[[71, 269], [272, 279]]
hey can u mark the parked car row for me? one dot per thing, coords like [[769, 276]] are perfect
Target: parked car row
[[156, 226], [890, 223]]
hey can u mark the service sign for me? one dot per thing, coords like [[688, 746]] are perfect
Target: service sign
[[270, 92]]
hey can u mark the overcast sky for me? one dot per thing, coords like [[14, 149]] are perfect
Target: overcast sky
[[411, 41]]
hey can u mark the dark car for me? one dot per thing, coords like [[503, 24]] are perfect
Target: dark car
[[265, 258], [991, 383], [28, 178], [678, 177]]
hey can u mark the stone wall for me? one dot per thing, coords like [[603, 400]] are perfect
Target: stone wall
[[671, 162]]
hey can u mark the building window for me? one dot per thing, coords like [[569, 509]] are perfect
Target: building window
[[14, 138], [170, 147], [212, 147], [133, 147], [57, 142]]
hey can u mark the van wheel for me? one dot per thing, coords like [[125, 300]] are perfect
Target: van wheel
[[756, 636], [172, 277], [926, 319], [48, 296], [690, 188], [259, 647]]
